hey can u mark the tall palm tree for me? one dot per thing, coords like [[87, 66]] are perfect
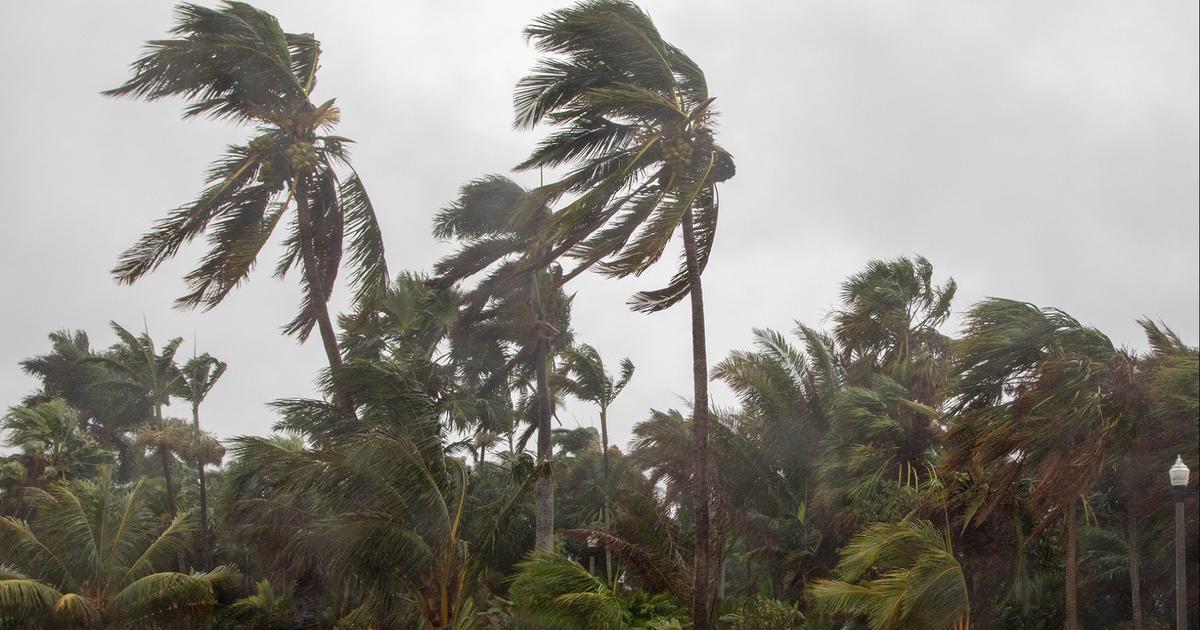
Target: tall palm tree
[[523, 323], [587, 380], [197, 379], [236, 63], [151, 373], [88, 559], [1032, 402], [635, 125]]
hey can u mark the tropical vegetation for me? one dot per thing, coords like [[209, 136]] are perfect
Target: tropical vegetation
[[910, 462]]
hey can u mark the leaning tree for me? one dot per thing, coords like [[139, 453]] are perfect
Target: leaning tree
[[235, 63], [634, 124]]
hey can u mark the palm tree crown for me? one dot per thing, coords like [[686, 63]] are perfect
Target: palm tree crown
[[635, 123], [236, 63]]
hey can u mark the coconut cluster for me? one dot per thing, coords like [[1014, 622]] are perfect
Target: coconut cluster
[[302, 156], [683, 146], [277, 166]]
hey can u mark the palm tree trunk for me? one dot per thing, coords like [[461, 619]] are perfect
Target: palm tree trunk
[[312, 273], [544, 486], [1135, 581], [307, 609], [607, 514], [164, 456], [700, 584], [204, 540], [1071, 573]]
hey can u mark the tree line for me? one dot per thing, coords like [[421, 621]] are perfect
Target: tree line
[[876, 473]]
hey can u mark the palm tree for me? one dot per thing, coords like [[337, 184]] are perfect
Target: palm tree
[[1159, 402], [1032, 400], [587, 380], [88, 560], [197, 379], [523, 323], [152, 374], [888, 323], [896, 576], [635, 123], [235, 63], [49, 437], [379, 506], [70, 372]]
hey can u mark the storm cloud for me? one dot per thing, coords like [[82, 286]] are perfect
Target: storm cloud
[[1039, 151]]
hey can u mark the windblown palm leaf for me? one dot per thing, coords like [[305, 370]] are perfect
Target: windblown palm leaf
[[897, 576]]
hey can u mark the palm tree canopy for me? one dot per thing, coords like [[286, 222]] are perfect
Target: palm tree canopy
[[92, 551], [198, 376], [587, 378], [50, 432], [1032, 396], [236, 63], [138, 365], [634, 122]]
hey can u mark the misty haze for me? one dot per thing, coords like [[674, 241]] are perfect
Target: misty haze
[[601, 314]]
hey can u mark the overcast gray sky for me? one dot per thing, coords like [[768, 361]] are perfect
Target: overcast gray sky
[[1044, 151]]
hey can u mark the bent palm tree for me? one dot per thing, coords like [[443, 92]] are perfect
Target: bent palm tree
[[1033, 400], [636, 125], [235, 63], [587, 380], [522, 324], [197, 379], [89, 557]]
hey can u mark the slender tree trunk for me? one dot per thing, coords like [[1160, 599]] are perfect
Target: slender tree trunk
[[307, 612], [205, 552], [1071, 573], [164, 456], [544, 486], [1135, 546], [312, 273], [700, 584], [606, 516]]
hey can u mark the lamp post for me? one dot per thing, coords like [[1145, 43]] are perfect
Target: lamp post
[[1179, 483]]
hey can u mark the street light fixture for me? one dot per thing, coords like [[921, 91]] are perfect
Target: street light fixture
[[1179, 482]]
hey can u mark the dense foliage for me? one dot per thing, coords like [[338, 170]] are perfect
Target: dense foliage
[[883, 472]]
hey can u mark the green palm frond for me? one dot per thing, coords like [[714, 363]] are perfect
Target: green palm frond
[[164, 546], [897, 576], [557, 590], [76, 611], [23, 598], [632, 119], [163, 597]]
